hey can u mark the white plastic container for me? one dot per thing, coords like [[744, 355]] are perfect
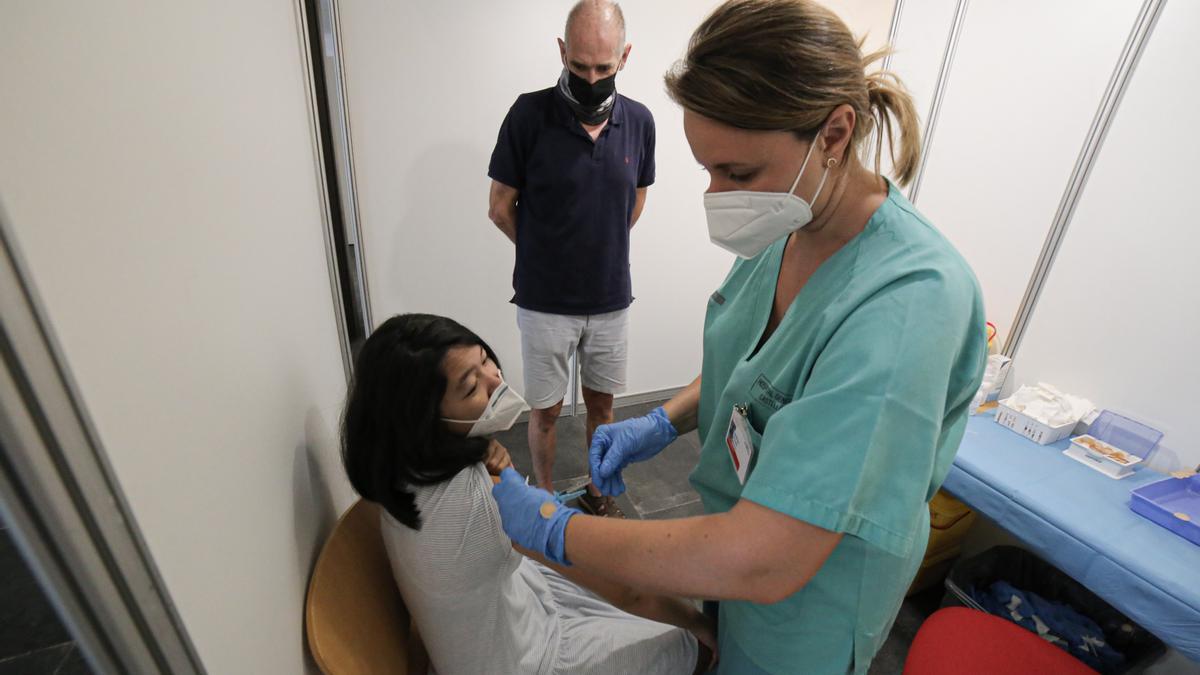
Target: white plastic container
[[1042, 434], [1106, 458]]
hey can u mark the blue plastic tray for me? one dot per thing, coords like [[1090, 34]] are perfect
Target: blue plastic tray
[[1173, 503]]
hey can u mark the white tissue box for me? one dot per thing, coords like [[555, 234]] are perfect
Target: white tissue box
[[1031, 428]]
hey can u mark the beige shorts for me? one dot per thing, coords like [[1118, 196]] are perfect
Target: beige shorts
[[548, 341]]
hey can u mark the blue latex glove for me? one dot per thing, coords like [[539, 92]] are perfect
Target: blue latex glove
[[532, 517], [616, 446]]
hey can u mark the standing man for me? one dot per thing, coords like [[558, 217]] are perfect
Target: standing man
[[569, 178]]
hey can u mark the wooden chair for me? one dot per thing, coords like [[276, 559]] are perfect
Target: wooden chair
[[355, 619]]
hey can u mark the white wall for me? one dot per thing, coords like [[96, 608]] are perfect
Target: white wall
[[159, 171], [158, 166], [1120, 314], [869, 19], [428, 86], [1025, 83]]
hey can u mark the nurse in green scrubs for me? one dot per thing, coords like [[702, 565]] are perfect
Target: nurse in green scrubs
[[840, 357]]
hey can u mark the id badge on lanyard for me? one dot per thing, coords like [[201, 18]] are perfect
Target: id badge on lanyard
[[739, 441]]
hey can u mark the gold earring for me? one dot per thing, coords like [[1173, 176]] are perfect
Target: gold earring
[[831, 162]]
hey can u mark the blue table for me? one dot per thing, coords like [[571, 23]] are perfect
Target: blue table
[[1079, 521]]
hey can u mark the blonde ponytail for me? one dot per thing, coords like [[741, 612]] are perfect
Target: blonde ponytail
[[892, 110]]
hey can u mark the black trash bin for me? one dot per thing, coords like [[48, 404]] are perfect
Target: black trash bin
[[1029, 573]]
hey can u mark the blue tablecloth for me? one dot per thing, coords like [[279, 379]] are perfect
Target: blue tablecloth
[[1079, 520]]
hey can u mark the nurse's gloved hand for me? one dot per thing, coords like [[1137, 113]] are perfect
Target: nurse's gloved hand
[[532, 517], [616, 446]]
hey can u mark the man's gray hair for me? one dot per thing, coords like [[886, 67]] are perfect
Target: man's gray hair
[[608, 10]]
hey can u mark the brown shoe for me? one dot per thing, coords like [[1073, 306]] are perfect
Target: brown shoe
[[603, 506]]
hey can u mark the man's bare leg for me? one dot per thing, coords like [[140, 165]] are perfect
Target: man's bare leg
[[599, 411], [543, 441]]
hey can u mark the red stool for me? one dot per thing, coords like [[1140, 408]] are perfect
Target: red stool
[[958, 640]]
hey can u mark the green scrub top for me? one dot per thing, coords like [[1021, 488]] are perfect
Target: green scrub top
[[857, 403]]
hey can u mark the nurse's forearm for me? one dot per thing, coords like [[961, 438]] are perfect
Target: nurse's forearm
[[683, 407], [658, 556], [749, 553]]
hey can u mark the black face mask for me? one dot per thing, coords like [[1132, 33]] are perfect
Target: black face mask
[[591, 94], [591, 103]]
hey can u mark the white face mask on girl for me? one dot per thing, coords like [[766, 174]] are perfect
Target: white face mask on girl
[[747, 222], [503, 409]]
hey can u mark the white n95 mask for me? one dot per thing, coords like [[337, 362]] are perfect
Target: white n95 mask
[[503, 409], [747, 222]]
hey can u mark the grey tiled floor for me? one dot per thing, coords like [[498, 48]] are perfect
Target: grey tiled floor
[[659, 489]]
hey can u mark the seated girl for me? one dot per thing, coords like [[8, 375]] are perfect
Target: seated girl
[[426, 394]]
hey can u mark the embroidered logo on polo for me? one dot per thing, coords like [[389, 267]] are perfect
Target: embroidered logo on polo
[[767, 394]]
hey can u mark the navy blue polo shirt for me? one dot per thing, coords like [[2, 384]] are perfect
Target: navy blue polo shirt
[[576, 201]]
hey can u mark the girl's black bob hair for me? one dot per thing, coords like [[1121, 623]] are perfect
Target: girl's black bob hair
[[392, 433]]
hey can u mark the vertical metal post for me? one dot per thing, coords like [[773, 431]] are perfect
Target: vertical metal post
[[1135, 45], [335, 143], [935, 107], [893, 28]]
